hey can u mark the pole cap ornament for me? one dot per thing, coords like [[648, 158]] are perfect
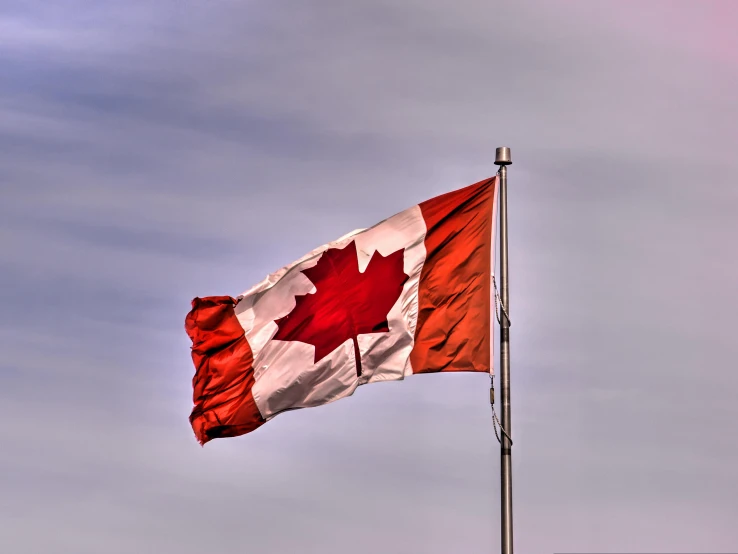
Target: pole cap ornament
[[502, 156]]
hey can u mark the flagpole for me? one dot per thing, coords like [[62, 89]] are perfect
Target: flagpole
[[502, 159]]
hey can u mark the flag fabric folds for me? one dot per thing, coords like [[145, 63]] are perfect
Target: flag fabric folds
[[408, 295]]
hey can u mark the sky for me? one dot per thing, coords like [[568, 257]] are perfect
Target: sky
[[152, 152]]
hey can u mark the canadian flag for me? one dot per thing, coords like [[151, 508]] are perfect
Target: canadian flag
[[409, 295]]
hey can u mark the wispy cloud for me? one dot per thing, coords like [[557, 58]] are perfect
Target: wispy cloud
[[153, 152]]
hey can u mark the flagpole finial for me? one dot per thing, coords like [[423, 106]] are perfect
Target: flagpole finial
[[502, 156]]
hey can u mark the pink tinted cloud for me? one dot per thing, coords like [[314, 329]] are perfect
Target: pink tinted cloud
[[698, 28]]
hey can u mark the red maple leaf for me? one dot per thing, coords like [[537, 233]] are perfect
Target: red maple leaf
[[347, 303]]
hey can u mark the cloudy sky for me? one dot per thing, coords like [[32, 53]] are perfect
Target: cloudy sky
[[153, 151]]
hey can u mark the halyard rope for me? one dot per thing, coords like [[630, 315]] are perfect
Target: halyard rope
[[499, 310], [495, 420], [499, 306]]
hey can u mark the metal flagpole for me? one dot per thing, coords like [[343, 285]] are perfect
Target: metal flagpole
[[502, 159]]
